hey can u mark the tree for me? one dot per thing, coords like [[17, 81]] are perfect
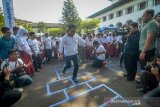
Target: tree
[[55, 31], [42, 27], [2, 23], [69, 14], [28, 27], [89, 25]]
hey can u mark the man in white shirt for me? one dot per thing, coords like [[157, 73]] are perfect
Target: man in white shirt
[[100, 55], [70, 43], [37, 59], [48, 47]]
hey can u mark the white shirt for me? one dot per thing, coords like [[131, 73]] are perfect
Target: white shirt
[[89, 43], [12, 65], [110, 39], [101, 49], [48, 42], [34, 45], [70, 44], [104, 40], [119, 39]]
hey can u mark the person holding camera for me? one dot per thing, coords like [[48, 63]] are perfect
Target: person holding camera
[[150, 78], [8, 96], [17, 69]]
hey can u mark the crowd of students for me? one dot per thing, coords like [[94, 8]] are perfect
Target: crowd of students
[[22, 54]]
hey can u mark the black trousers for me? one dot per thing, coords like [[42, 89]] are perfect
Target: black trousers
[[9, 98], [130, 62], [48, 54], [68, 60], [97, 63], [148, 80], [148, 58], [37, 61]]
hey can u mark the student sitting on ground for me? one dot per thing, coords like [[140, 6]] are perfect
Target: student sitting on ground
[[100, 55], [8, 96], [150, 78], [17, 69]]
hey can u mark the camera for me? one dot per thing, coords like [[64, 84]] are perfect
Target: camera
[[150, 65]]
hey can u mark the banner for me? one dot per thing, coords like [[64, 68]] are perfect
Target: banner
[[8, 13]]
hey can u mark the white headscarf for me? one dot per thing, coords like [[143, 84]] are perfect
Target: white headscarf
[[22, 42], [21, 32]]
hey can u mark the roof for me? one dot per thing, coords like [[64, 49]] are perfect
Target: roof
[[49, 25], [111, 7]]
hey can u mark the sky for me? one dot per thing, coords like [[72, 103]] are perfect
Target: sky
[[50, 11]]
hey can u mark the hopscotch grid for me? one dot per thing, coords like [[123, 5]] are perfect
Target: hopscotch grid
[[50, 93], [89, 85], [74, 85], [72, 97], [67, 96]]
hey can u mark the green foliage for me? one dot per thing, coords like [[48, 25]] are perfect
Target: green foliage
[[55, 31], [89, 25], [28, 27], [41, 27], [2, 23], [69, 14]]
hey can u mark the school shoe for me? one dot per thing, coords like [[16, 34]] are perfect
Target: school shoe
[[75, 80]]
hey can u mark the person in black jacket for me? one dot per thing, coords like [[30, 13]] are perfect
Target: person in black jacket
[[8, 96], [131, 51]]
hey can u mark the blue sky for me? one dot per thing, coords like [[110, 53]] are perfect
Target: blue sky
[[51, 10]]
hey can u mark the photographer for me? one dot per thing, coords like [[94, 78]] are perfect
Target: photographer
[[151, 77], [8, 96], [17, 69]]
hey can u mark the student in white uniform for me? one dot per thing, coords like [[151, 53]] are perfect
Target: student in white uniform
[[100, 55], [36, 55], [48, 47]]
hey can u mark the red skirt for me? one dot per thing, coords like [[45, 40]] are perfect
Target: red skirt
[[115, 50], [27, 59], [89, 50], [110, 51]]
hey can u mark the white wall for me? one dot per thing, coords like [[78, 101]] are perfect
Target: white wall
[[132, 16]]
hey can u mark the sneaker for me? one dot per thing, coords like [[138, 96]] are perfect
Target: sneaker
[[75, 79], [19, 89]]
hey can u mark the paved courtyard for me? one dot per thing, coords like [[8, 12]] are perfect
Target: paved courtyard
[[97, 87]]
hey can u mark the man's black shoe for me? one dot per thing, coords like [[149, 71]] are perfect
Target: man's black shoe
[[75, 80]]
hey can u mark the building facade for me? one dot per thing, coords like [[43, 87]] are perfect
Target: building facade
[[122, 12]]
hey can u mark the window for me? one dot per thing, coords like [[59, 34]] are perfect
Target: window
[[103, 18], [119, 13], [142, 5], [111, 16], [157, 2], [129, 10]]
